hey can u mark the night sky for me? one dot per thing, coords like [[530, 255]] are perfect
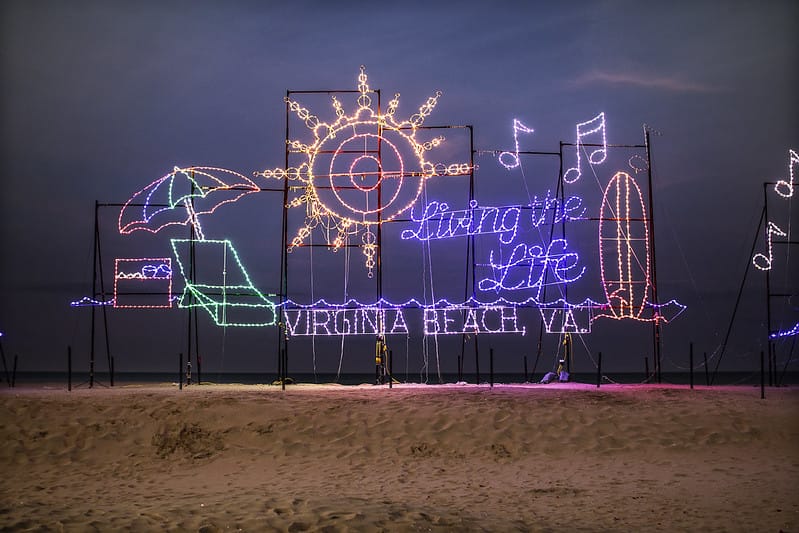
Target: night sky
[[101, 98]]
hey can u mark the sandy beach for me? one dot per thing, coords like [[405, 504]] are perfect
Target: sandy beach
[[414, 458]]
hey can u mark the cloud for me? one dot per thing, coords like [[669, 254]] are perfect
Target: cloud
[[635, 79]]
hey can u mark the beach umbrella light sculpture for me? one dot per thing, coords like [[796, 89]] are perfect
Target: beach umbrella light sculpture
[[180, 197]]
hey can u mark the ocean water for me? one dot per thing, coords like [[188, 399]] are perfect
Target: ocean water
[[432, 378]]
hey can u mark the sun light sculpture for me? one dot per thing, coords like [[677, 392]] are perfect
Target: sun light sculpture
[[359, 170]]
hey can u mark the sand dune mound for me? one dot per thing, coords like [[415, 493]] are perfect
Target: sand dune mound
[[437, 458]]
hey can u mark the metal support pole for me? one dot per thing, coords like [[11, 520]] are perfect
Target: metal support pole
[[769, 344], [5, 365], [282, 343], [770, 369], [94, 295], [491, 366], [14, 373], [476, 365], [774, 362], [112, 371], [707, 372], [390, 369], [526, 377], [740, 293], [538, 352], [653, 265], [762, 378], [192, 275], [471, 249], [69, 368], [599, 371], [102, 285]]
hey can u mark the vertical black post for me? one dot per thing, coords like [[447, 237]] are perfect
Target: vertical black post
[[94, 295], [283, 296], [599, 371], [390, 369], [112, 371], [91, 373], [491, 366], [762, 378], [102, 284], [526, 376], [771, 369], [774, 362], [199, 369], [653, 267], [192, 278], [14, 373], [180, 371], [460, 363], [69, 368], [477, 364], [770, 365], [470, 248], [707, 372], [280, 363], [646, 368], [285, 372], [568, 353], [691, 363], [5, 365]]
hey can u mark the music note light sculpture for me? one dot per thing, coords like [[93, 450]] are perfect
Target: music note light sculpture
[[510, 160], [785, 188], [589, 130], [360, 170], [762, 261]]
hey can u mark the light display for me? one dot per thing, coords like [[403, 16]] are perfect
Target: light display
[[591, 130], [637, 163], [361, 170], [225, 290], [624, 247], [762, 261], [181, 197], [139, 282], [568, 318], [450, 319], [358, 170], [786, 333], [527, 266], [90, 302], [510, 160], [438, 222], [785, 188]]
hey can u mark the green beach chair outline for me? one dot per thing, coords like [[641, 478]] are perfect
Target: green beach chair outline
[[218, 299]]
